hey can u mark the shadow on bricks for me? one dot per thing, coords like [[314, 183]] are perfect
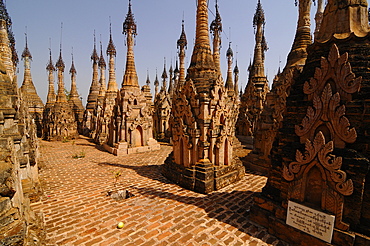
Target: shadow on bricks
[[231, 208], [148, 171]]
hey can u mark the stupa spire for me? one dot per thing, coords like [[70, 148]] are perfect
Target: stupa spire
[[182, 45], [73, 72], [303, 38], [229, 80], [164, 77], [102, 66], [111, 52], [236, 77], [51, 97], [258, 65], [156, 82], [130, 30], [94, 88], [202, 68], [216, 29], [61, 96]]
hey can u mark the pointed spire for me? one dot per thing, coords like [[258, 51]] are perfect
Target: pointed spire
[[129, 25], [111, 49], [51, 97], [170, 87], [229, 80], [216, 29], [26, 52], [202, 69], [94, 55], [147, 78], [156, 82], [258, 65], [182, 45], [236, 78], [101, 59], [129, 29], [50, 66], [61, 96], [164, 77], [73, 72], [303, 38], [60, 63]]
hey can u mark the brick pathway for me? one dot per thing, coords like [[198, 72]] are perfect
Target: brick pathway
[[78, 212]]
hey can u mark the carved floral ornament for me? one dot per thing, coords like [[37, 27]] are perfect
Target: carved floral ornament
[[335, 73], [324, 128], [320, 152]]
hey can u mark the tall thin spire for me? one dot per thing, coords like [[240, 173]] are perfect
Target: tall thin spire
[[156, 82], [202, 64], [61, 96], [229, 80], [170, 87], [102, 66], [258, 66], [73, 72], [111, 52], [303, 38], [147, 78], [216, 29], [164, 77], [51, 97], [182, 45], [236, 78], [94, 88], [130, 30]]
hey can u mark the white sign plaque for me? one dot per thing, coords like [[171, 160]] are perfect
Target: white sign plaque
[[313, 222]]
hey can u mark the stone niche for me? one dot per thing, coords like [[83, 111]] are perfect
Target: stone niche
[[320, 158]]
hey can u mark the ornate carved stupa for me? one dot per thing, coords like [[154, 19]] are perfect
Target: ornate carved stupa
[[29, 93], [59, 120], [75, 99], [275, 105], [92, 98], [318, 186], [162, 109], [110, 95], [203, 121], [131, 128], [254, 96], [18, 151]]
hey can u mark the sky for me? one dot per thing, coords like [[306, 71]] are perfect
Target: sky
[[159, 28]]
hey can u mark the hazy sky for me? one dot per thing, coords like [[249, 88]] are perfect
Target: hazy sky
[[159, 27]]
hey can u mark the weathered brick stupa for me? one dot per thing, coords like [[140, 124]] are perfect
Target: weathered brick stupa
[[203, 120], [92, 98], [318, 190], [253, 99], [19, 225], [162, 109], [110, 96], [271, 117], [74, 99], [131, 128], [59, 119], [29, 94]]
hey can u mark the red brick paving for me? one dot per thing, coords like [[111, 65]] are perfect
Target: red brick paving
[[78, 212]]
